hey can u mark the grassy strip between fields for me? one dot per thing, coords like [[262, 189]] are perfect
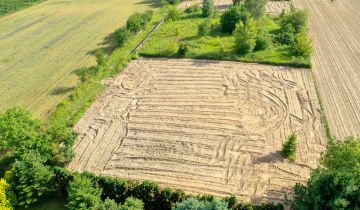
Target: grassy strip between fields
[[9, 6], [218, 45], [72, 108]]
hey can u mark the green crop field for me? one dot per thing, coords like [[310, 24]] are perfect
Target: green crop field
[[41, 48]]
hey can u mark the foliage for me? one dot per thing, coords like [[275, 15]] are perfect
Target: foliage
[[297, 19], [245, 35], [31, 178], [208, 8], [122, 36], [195, 204], [132, 204], [172, 2], [302, 44], [289, 147], [193, 9], [232, 16], [237, 1], [183, 50], [83, 193], [148, 193], [8, 6], [137, 21], [173, 14], [255, 7], [7, 196], [286, 35], [263, 41], [205, 27], [335, 185]]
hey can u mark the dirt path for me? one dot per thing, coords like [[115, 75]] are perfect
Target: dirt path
[[204, 126], [41, 46], [335, 29]]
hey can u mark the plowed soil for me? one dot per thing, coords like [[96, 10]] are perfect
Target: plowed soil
[[335, 30], [204, 127]]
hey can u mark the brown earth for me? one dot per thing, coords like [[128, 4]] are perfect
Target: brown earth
[[204, 126], [335, 30]]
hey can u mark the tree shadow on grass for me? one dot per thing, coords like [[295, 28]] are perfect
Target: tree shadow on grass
[[107, 46], [61, 90]]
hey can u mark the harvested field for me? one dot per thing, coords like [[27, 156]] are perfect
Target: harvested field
[[272, 7], [41, 48], [335, 29], [204, 126]]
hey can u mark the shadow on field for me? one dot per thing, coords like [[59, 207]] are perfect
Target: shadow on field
[[151, 3], [61, 90], [271, 157]]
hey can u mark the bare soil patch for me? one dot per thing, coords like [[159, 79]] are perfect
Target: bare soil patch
[[204, 127]]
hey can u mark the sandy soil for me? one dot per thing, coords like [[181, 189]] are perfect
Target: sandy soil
[[272, 7], [335, 30], [204, 126], [42, 46]]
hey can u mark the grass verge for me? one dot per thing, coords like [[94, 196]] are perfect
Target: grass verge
[[9, 6]]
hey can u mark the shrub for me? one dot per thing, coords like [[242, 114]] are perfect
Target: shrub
[[245, 36], [184, 50], [172, 2], [148, 193], [173, 14], [263, 41], [286, 35], [205, 28], [7, 196], [193, 9], [237, 2], [31, 179], [168, 198], [302, 44], [255, 7], [137, 21], [83, 193], [196, 204], [208, 8], [116, 189], [232, 16], [100, 58], [297, 19], [336, 184], [289, 147], [132, 204], [122, 35]]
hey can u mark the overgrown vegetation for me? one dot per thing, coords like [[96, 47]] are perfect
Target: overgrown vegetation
[[267, 39], [9, 6], [289, 147]]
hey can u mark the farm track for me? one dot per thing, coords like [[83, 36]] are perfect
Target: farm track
[[42, 46], [335, 30], [204, 126]]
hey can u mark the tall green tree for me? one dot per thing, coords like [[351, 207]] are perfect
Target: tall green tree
[[208, 8], [336, 184], [255, 7], [245, 35]]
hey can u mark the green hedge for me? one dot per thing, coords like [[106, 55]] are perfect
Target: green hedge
[[8, 6]]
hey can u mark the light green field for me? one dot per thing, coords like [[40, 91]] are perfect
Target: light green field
[[41, 47]]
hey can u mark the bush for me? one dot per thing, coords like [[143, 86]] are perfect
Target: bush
[[83, 193], [232, 16], [336, 184], [302, 44], [237, 2], [137, 21], [173, 14], [245, 36], [122, 35], [172, 2], [205, 28], [148, 193], [193, 9], [263, 41], [184, 50], [255, 7], [286, 35], [208, 8], [195, 204], [31, 179], [132, 204], [289, 147], [7, 196], [116, 189], [297, 19]]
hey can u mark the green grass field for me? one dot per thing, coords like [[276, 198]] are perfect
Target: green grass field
[[218, 45], [42, 46], [8, 6]]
